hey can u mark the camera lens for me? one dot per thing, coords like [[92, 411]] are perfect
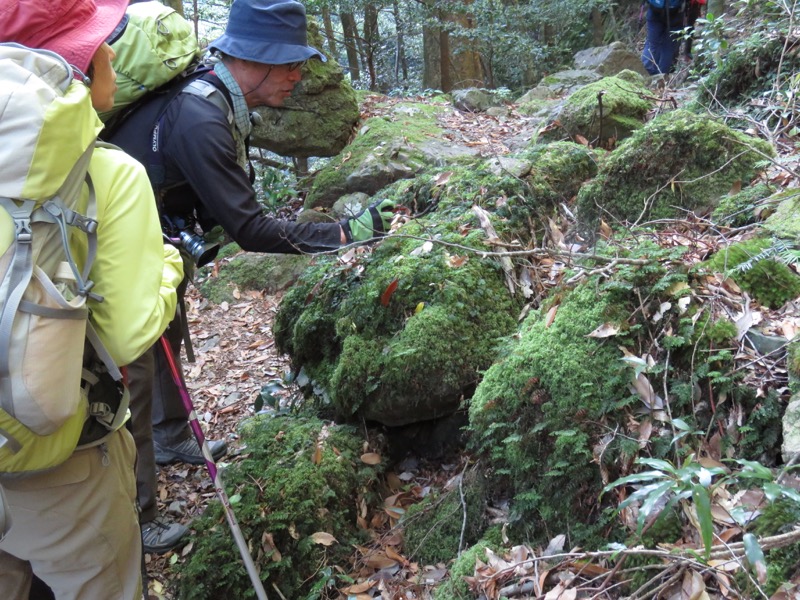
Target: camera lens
[[201, 252]]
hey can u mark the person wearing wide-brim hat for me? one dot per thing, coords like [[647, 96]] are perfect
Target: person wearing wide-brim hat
[[205, 182], [75, 524]]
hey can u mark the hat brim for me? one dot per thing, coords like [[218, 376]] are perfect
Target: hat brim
[[268, 53], [79, 44]]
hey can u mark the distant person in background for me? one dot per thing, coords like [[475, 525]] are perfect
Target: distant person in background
[[693, 12], [663, 41]]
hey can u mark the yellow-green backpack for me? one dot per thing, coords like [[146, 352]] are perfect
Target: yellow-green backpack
[[154, 45], [48, 351]]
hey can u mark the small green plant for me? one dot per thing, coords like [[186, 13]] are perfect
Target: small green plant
[[277, 188], [678, 484]]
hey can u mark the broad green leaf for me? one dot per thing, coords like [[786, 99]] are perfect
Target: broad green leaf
[[702, 505], [650, 502], [772, 491], [755, 557], [681, 424], [636, 477], [754, 470], [657, 463]]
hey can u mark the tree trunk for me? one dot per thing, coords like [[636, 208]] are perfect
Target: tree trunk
[[400, 62], [444, 60], [371, 41], [432, 58], [466, 68], [598, 31], [328, 25], [350, 34]]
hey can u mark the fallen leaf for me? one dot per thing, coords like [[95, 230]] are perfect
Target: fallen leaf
[[323, 538], [371, 458], [605, 330], [387, 293]]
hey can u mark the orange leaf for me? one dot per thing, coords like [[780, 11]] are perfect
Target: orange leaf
[[387, 293]]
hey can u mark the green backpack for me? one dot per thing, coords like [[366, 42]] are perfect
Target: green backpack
[[54, 372], [154, 46]]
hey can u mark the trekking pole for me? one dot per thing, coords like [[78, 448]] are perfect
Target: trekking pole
[[177, 377]]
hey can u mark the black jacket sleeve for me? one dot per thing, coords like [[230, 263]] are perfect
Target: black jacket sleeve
[[199, 150]]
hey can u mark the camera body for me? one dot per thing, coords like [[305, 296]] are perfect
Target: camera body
[[181, 232]]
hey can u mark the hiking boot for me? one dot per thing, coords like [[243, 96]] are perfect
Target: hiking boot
[[160, 536], [188, 451]]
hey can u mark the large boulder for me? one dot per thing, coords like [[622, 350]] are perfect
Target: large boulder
[[679, 161], [609, 109], [474, 100], [610, 60], [399, 335], [389, 148], [318, 118]]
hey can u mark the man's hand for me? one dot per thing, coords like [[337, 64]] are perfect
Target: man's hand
[[370, 223]]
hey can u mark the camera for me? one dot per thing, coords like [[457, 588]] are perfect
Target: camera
[[180, 231]]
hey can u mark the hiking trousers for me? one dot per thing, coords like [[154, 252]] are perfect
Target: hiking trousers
[[157, 410], [76, 527], [662, 43]]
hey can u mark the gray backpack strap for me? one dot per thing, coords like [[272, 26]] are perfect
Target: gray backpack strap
[[25, 214], [201, 87], [5, 516], [15, 282]]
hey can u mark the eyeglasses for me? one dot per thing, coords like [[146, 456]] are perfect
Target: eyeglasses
[[293, 66]]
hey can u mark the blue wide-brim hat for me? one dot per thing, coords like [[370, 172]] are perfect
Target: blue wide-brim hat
[[272, 32]]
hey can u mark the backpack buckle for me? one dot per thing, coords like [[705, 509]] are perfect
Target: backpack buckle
[[22, 229], [85, 224]]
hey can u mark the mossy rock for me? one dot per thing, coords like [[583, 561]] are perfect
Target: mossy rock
[[403, 334], [523, 413], [611, 108], [523, 202], [737, 210], [793, 365], [298, 476], [455, 587], [389, 142], [269, 273], [769, 281], [318, 118], [736, 82], [679, 161], [785, 221], [434, 528]]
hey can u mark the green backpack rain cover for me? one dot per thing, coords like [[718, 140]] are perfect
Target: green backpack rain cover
[[48, 349], [156, 46]]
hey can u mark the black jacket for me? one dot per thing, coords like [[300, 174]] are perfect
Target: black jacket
[[201, 177]]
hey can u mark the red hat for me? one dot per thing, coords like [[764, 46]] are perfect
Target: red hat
[[72, 28]]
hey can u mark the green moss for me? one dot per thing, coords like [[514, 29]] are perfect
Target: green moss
[[736, 82], [263, 272], [677, 162], [407, 354], [455, 588], [612, 107], [782, 563], [379, 137], [721, 332], [523, 412], [737, 210], [298, 476], [434, 528], [785, 221], [770, 282]]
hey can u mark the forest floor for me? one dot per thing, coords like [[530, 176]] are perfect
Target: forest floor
[[236, 358]]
